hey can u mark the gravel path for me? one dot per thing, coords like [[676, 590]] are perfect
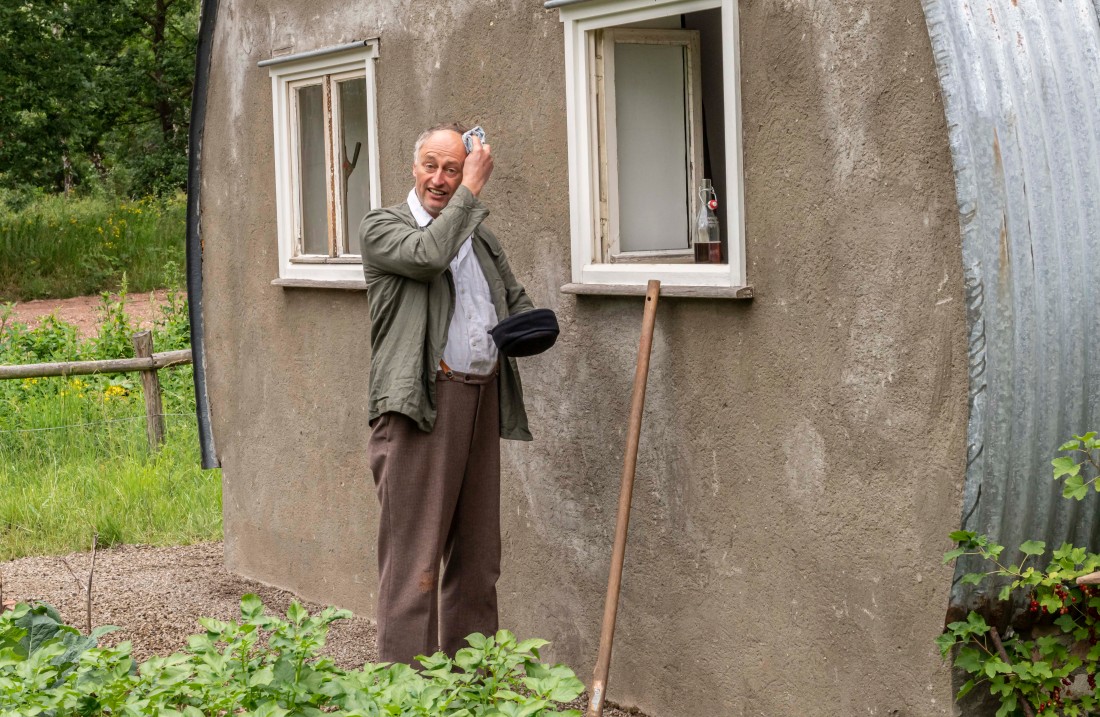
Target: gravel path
[[156, 595]]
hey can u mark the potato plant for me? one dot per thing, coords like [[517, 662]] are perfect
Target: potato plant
[[267, 666]]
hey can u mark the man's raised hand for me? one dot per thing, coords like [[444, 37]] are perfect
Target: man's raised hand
[[478, 166]]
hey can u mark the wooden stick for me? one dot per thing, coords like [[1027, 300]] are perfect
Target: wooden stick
[[630, 462], [88, 592], [84, 368], [150, 387], [1004, 657], [85, 586]]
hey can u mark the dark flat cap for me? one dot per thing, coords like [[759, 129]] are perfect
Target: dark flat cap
[[526, 334]]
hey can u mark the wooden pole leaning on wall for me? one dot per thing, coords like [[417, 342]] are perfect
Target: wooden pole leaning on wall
[[150, 386], [598, 690]]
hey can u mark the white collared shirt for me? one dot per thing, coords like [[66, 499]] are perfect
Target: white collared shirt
[[469, 348]]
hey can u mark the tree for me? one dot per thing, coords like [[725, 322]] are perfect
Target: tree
[[94, 89]]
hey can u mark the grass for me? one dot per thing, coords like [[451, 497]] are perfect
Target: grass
[[56, 247], [73, 453]]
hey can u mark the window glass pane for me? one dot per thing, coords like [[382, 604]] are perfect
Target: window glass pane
[[311, 166], [651, 132], [353, 125]]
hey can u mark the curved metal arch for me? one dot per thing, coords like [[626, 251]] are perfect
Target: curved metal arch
[[1021, 91], [209, 16]]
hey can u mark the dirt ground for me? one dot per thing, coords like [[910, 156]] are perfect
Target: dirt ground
[[156, 595], [83, 311]]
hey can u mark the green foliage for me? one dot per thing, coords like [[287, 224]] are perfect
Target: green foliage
[[57, 247], [1054, 674], [73, 452], [267, 666], [37, 631], [96, 92], [1086, 448]]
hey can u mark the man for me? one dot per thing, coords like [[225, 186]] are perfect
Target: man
[[440, 399]]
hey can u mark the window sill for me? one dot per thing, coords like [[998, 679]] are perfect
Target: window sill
[[341, 284], [693, 292]]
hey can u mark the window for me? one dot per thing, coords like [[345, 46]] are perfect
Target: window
[[647, 96], [652, 96], [326, 168]]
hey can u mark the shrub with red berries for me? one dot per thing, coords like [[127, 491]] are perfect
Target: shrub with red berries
[[1040, 672]]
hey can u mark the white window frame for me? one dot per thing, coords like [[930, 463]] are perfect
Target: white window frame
[[287, 74], [589, 272]]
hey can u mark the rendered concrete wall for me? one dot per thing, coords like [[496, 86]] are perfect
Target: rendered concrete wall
[[803, 453]]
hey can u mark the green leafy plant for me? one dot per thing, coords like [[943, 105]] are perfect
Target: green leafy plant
[[1051, 671], [1076, 486], [113, 339], [268, 666], [42, 652]]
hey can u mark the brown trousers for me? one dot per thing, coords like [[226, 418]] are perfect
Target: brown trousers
[[440, 498]]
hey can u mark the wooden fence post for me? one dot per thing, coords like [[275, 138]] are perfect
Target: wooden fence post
[[150, 385]]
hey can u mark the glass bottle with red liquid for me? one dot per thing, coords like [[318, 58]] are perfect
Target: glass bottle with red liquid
[[708, 237]]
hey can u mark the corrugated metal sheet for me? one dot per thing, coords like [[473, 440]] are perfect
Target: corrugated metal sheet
[[1021, 89]]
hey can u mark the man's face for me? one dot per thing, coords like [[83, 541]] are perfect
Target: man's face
[[438, 170]]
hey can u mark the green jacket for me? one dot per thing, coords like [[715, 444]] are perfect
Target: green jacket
[[412, 297]]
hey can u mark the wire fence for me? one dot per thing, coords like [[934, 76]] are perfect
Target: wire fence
[[91, 423]]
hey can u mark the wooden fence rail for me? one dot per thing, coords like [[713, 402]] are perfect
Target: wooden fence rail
[[160, 360], [147, 362]]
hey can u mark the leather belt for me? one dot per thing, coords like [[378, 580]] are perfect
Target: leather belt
[[446, 373]]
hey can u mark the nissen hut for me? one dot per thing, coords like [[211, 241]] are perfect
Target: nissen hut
[[896, 332]]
